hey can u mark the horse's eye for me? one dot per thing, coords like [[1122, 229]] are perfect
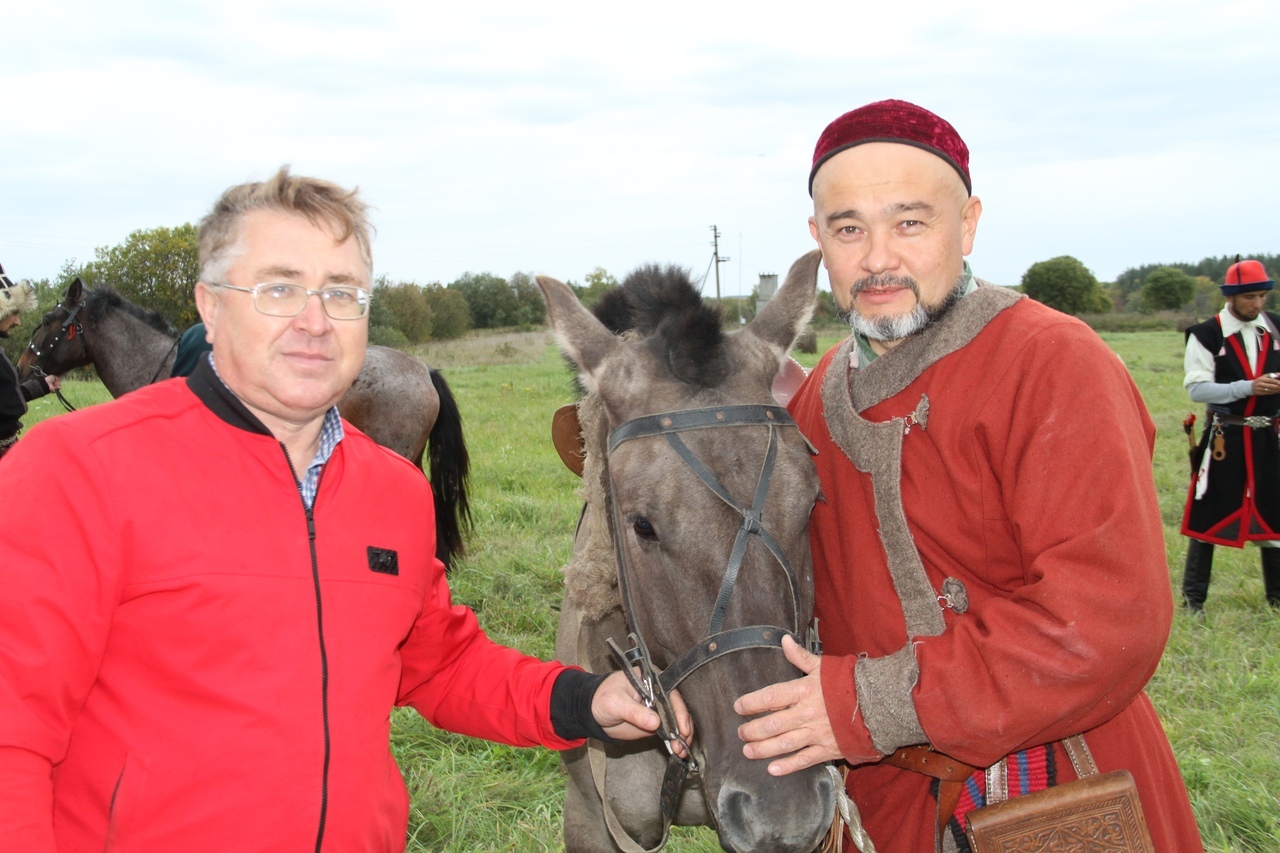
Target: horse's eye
[[644, 529]]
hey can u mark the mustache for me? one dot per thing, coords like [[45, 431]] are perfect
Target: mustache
[[877, 282]]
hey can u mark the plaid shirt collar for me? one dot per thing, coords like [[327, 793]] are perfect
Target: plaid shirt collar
[[331, 433]]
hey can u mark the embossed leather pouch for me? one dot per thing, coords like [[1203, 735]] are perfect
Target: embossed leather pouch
[[1099, 813]]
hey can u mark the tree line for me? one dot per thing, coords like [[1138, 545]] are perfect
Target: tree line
[[157, 269], [1068, 285]]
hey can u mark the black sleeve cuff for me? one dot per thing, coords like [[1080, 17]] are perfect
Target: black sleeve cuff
[[34, 389], [571, 696]]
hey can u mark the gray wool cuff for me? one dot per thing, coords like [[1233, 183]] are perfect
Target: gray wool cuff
[[884, 688]]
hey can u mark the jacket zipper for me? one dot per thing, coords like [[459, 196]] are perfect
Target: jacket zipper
[[324, 657]]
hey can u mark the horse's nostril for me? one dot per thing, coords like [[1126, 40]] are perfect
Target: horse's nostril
[[790, 819]]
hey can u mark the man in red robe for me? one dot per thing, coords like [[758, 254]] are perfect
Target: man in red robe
[[989, 557]]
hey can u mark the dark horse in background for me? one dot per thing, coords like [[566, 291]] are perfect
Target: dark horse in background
[[396, 399], [694, 547]]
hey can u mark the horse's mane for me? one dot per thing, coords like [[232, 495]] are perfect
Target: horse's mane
[[662, 305], [103, 299]]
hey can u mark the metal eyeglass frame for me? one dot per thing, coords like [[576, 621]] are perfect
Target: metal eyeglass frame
[[363, 297]]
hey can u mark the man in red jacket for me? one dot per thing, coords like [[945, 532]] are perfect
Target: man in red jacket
[[244, 585], [989, 557]]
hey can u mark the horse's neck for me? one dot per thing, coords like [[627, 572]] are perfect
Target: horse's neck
[[127, 352]]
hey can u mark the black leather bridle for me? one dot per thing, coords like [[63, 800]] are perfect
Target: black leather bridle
[[70, 327], [653, 686]]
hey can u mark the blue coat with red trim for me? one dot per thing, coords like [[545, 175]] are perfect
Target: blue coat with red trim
[[1242, 499]]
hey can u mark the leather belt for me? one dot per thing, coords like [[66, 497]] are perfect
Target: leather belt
[[1254, 421], [951, 775]]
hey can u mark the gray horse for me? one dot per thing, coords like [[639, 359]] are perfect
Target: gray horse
[[662, 553], [396, 399]]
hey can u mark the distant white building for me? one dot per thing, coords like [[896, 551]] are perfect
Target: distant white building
[[765, 290]]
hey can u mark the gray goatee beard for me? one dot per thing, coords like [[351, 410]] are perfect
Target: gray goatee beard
[[895, 328]]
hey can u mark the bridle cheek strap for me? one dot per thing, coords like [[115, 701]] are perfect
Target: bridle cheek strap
[[655, 686]]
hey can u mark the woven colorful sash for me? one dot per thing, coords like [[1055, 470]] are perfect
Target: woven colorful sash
[[1029, 770]]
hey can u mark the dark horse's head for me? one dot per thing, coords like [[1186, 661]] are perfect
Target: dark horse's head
[[59, 343], [687, 569]]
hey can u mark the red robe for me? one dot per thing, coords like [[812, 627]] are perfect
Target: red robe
[[1005, 448]]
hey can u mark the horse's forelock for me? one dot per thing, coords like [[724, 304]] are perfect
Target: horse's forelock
[[695, 347], [665, 306], [614, 311]]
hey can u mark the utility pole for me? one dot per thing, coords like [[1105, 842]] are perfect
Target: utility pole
[[715, 249]]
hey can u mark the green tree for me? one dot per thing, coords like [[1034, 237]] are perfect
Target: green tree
[[1208, 297], [531, 306], [1167, 289], [490, 299], [402, 306], [1065, 284], [451, 318], [825, 311], [1133, 278], [157, 268], [1102, 303], [597, 282]]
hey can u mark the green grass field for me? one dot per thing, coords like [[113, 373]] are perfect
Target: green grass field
[[1217, 689]]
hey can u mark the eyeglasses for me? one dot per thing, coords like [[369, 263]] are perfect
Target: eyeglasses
[[281, 299]]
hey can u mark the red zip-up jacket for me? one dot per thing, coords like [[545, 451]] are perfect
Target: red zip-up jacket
[[196, 662]]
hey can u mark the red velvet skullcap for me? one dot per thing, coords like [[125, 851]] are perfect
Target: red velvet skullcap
[[893, 121]]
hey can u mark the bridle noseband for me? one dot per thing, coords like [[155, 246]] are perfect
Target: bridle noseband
[[69, 329], [653, 686]]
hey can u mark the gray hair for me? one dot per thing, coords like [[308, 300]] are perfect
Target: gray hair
[[321, 202]]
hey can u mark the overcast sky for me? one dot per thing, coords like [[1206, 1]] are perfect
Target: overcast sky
[[554, 138]]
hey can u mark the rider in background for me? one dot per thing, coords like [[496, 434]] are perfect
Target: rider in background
[[16, 297], [191, 349]]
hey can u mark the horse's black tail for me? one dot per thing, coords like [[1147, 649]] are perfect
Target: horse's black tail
[[449, 469]]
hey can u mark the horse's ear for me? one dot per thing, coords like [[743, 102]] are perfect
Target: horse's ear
[[582, 337], [75, 290], [780, 322]]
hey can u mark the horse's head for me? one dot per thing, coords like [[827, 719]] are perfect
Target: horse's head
[[711, 485], [57, 344]]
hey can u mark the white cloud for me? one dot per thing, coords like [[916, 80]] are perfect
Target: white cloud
[[498, 136]]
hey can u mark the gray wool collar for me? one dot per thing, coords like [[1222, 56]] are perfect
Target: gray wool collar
[[884, 684]]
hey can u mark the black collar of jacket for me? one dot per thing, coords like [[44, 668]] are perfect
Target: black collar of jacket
[[215, 394]]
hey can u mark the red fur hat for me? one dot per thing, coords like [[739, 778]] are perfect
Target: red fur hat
[[893, 121], [1246, 277]]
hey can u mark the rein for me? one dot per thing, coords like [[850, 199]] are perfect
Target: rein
[[164, 358], [655, 686]]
